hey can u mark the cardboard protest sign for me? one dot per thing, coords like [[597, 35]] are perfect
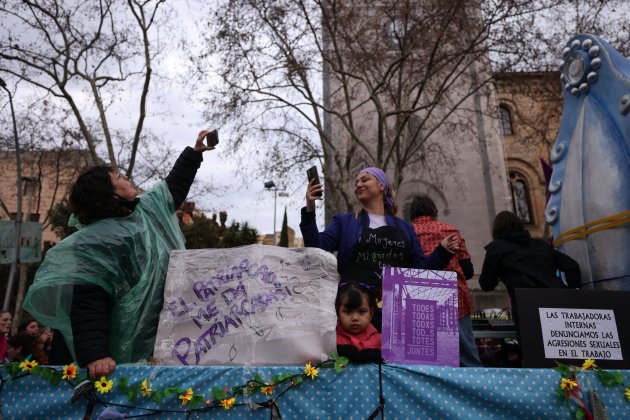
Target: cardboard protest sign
[[257, 304], [573, 325], [420, 323], [580, 333]]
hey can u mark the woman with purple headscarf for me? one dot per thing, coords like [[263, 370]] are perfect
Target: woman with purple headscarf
[[372, 237]]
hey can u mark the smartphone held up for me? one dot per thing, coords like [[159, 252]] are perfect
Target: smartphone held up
[[212, 138], [311, 173]]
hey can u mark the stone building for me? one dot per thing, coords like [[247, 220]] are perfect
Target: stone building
[[529, 110], [529, 106]]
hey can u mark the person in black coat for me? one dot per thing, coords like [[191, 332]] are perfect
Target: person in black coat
[[519, 261]]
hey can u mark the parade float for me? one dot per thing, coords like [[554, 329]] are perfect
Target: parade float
[[249, 332], [589, 207]]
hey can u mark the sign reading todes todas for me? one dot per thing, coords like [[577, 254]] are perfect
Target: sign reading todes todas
[[256, 304], [420, 323], [580, 334]]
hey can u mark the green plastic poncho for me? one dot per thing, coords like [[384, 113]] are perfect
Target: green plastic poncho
[[128, 258]]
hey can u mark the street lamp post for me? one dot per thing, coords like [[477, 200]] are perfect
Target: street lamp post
[[271, 186], [18, 218]]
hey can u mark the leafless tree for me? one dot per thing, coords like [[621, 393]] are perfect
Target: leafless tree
[[608, 19], [397, 75], [85, 56]]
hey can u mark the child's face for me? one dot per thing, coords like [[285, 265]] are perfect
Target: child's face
[[356, 320]]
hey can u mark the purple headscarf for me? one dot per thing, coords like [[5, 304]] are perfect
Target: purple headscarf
[[382, 179]]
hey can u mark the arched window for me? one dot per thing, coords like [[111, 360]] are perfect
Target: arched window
[[520, 198], [505, 119]]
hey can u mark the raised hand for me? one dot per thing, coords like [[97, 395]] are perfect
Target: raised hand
[[313, 192]]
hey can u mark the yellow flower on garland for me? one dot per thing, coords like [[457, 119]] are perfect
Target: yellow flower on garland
[[310, 371], [187, 396], [627, 394], [27, 365], [145, 389], [103, 385], [228, 403], [589, 364], [70, 371], [267, 389], [568, 384]]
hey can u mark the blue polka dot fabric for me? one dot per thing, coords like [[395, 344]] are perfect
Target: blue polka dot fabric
[[426, 392]]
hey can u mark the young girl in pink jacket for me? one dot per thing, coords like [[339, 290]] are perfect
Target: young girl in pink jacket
[[357, 339]]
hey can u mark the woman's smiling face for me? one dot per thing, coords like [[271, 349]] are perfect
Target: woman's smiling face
[[367, 188]]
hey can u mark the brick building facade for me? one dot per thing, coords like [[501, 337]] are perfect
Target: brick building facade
[[46, 179], [530, 106]]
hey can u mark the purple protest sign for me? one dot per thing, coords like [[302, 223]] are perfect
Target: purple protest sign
[[420, 323]]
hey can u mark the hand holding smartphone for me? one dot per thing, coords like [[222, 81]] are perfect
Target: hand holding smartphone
[[311, 174]]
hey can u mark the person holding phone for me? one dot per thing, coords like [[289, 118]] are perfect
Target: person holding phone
[[371, 237], [103, 286]]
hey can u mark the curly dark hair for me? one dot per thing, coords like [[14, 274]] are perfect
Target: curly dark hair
[[506, 222], [354, 293], [422, 205], [92, 196]]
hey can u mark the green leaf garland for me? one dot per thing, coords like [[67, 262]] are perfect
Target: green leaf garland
[[219, 398]]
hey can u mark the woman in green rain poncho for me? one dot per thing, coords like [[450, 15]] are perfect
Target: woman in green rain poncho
[[102, 288]]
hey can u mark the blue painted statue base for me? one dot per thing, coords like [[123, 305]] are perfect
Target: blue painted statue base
[[409, 392]]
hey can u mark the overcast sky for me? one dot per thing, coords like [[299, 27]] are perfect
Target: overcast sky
[[174, 117], [245, 201]]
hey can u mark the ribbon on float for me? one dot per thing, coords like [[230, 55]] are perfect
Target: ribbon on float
[[592, 227]]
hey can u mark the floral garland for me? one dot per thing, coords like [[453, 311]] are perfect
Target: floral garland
[[219, 398], [569, 387], [571, 390]]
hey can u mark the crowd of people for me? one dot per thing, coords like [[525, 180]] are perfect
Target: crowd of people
[[101, 289], [31, 341]]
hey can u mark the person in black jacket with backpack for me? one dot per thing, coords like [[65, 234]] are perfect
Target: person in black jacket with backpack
[[519, 261]]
